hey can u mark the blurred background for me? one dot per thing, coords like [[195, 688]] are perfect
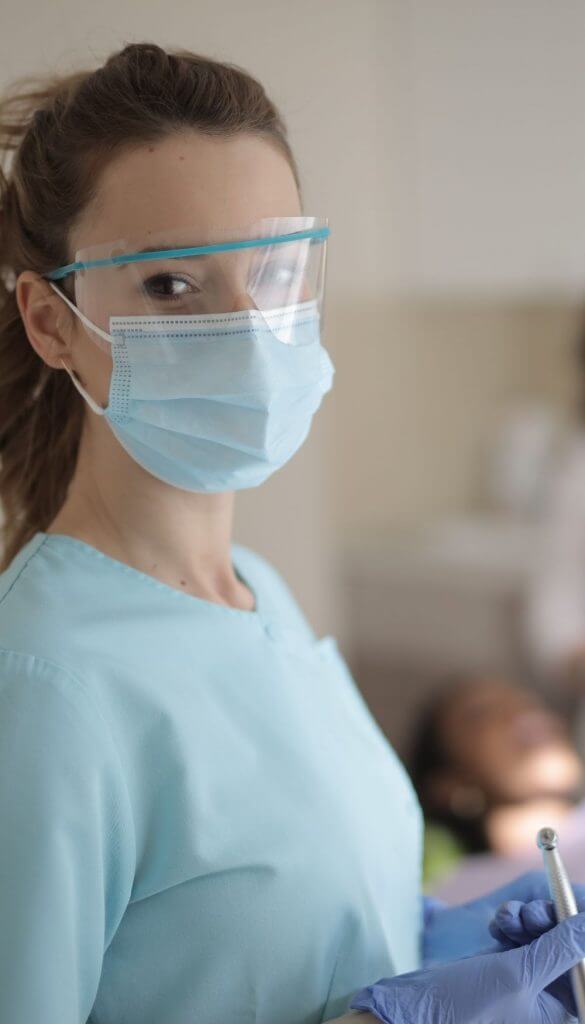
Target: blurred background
[[435, 519]]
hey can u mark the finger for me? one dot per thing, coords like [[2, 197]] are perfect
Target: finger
[[538, 917], [509, 921], [522, 922], [555, 952], [500, 937]]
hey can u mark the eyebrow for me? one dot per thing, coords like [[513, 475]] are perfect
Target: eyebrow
[[261, 241], [164, 245]]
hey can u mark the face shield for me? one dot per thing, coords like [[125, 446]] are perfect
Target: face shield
[[272, 271]]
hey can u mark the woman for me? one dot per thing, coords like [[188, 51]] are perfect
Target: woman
[[490, 763], [201, 820]]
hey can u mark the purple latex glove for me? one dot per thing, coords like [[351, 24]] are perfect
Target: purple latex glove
[[509, 987], [516, 924]]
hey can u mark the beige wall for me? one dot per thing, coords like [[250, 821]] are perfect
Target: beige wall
[[418, 393]]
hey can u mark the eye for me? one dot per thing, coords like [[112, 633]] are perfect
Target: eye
[[168, 287]]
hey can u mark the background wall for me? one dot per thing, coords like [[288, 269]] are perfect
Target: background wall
[[421, 388]]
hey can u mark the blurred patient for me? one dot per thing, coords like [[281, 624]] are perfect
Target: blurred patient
[[492, 764]]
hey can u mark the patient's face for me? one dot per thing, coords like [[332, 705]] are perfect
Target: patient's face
[[506, 741]]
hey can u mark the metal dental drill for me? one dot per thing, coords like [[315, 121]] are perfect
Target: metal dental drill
[[564, 900]]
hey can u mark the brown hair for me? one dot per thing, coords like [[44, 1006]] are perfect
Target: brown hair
[[61, 131]]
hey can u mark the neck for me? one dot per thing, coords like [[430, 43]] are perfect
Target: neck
[[181, 538]]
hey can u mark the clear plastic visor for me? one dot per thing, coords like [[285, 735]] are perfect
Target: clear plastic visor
[[276, 268]]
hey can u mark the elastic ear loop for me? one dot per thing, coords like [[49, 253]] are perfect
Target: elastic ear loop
[[93, 327], [86, 321], [85, 394]]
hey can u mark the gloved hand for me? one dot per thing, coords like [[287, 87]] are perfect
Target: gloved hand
[[492, 988], [453, 932], [516, 924]]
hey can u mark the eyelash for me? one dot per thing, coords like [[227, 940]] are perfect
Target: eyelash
[[164, 277]]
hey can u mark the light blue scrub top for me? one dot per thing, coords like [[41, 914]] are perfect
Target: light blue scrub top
[[201, 821]]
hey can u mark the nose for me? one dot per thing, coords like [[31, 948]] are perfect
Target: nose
[[243, 301]]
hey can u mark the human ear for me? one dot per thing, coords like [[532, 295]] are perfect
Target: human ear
[[46, 318]]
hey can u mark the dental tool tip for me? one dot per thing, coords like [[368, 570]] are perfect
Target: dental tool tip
[[547, 839]]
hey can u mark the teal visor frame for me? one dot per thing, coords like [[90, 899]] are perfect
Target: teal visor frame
[[315, 234]]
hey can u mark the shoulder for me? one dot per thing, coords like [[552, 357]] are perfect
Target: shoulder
[[16, 571], [38, 694], [35, 681], [52, 727], [38, 603]]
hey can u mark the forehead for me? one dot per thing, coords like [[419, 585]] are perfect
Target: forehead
[[188, 180]]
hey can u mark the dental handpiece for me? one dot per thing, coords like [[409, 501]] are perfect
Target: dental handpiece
[[563, 898]]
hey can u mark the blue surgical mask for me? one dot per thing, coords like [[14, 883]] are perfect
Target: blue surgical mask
[[213, 403]]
